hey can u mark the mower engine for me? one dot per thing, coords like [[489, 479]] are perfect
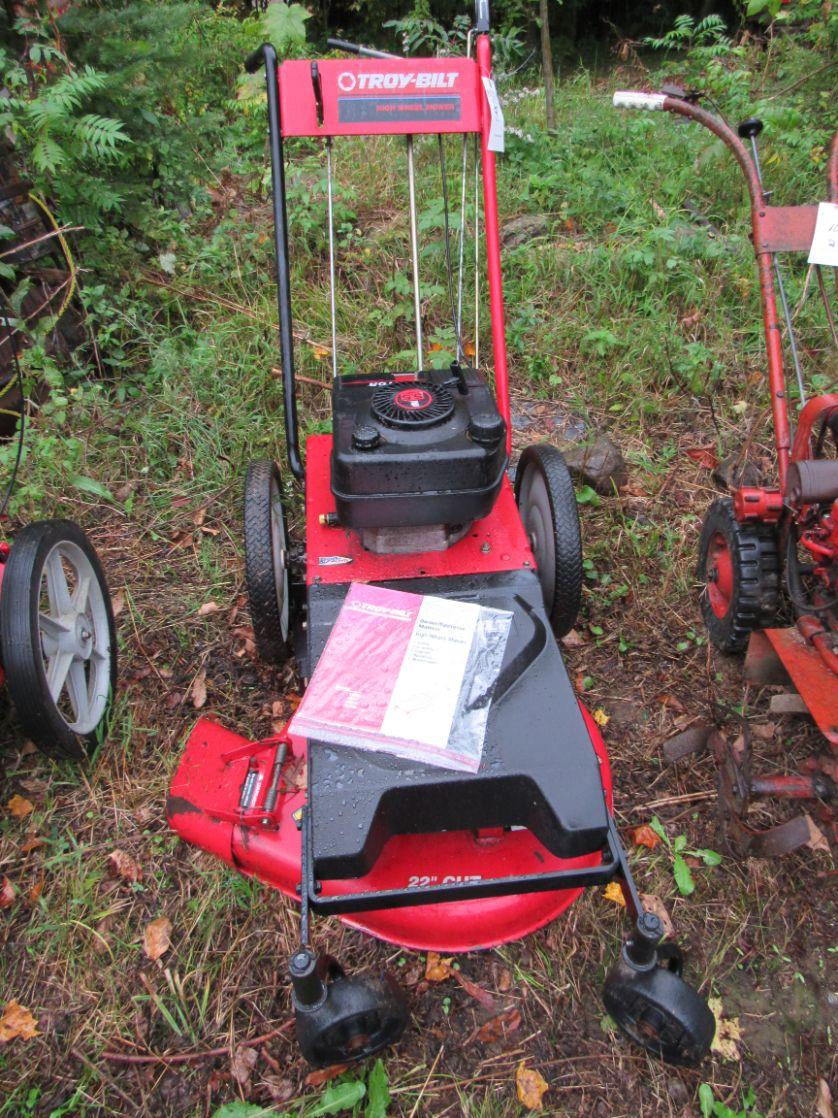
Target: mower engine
[[415, 460]]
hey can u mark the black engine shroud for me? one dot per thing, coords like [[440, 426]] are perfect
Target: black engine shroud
[[410, 452]]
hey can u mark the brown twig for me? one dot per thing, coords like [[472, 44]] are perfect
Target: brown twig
[[193, 1057]]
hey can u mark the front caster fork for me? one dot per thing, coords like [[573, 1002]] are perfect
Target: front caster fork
[[645, 992], [339, 1019]]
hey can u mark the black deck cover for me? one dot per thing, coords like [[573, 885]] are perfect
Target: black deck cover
[[539, 768]]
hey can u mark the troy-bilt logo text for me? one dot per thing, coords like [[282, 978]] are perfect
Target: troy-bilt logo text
[[347, 81]]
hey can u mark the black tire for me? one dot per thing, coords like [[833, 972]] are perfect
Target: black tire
[[61, 726], [547, 504], [739, 567], [266, 562], [359, 1017], [662, 1013]]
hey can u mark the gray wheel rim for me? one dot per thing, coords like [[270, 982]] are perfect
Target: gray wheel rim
[[279, 553], [537, 515], [75, 639]]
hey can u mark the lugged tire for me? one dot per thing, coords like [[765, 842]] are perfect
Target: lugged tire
[[556, 535], [754, 599], [271, 624]]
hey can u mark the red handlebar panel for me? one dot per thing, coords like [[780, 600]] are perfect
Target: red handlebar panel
[[381, 96]]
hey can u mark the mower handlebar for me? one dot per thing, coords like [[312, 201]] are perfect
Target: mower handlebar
[[356, 48], [633, 99], [256, 58]]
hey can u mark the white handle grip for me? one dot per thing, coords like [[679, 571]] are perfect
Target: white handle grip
[[629, 99]]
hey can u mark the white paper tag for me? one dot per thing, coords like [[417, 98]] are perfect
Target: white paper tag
[[630, 99], [424, 698], [496, 140], [824, 248]]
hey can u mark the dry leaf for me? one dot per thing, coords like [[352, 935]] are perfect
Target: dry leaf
[[157, 938], [613, 892], [207, 608], [728, 1034], [118, 602], [280, 1090], [667, 700], [123, 865], [530, 1085], [823, 1100], [573, 640], [645, 836], [242, 1064], [36, 890], [32, 844], [438, 969], [477, 992], [199, 689], [764, 730], [19, 807], [16, 1021], [600, 717], [704, 455], [655, 905], [505, 981], [199, 517], [7, 893], [499, 1027], [817, 839], [323, 1075]]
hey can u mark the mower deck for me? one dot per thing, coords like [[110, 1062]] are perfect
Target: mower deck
[[810, 675]]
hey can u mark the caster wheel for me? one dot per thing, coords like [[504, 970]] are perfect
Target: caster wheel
[[739, 567], [358, 1017], [266, 562], [547, 503], [659, 1011], [58, 639]]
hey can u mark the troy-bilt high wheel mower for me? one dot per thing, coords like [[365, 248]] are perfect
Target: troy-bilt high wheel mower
[[764, 543], [57, 634], [411, 494]]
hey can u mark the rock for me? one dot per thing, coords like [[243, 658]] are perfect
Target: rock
[[736, 470], [688, 742], [600, 464], [520, 230]]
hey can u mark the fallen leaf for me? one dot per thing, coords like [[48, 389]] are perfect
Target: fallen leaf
[[123, 865], [823, 1100], [499, 1027], [323, 1075], [19, 807], [667, 700], [477, 992], [654, 904], [242, 1064], [690, 320], [728, 1033], [280, 1090], [320, 352], [817, 839], [573, 640], [199, 690], [600, 717], [118, 603], [31, 844], [16, 1021], [645, 836], [613, 892], [438, 969], [505, 981], [157, 938], [199, 517], [530, 1085], [764, 731], [7, 893], [36, 890], [207, 608]]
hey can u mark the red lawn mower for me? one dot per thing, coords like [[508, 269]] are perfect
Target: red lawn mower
[[764, 543], [411, 492], [57, 633]]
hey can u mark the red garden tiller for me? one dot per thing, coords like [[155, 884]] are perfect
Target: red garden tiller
[[411, 493], [766, 539], [57, 635]]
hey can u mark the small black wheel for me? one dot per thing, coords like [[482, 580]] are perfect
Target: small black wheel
[[266, 561], [58, 639], [739, 567], [661, 1012], [359, 1017], [547, 504]]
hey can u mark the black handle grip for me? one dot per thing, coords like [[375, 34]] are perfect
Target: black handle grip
[[750, 128], [356, 48], [482, 23], [255, 59]]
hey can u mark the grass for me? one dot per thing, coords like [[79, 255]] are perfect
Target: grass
[[627, 313]]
